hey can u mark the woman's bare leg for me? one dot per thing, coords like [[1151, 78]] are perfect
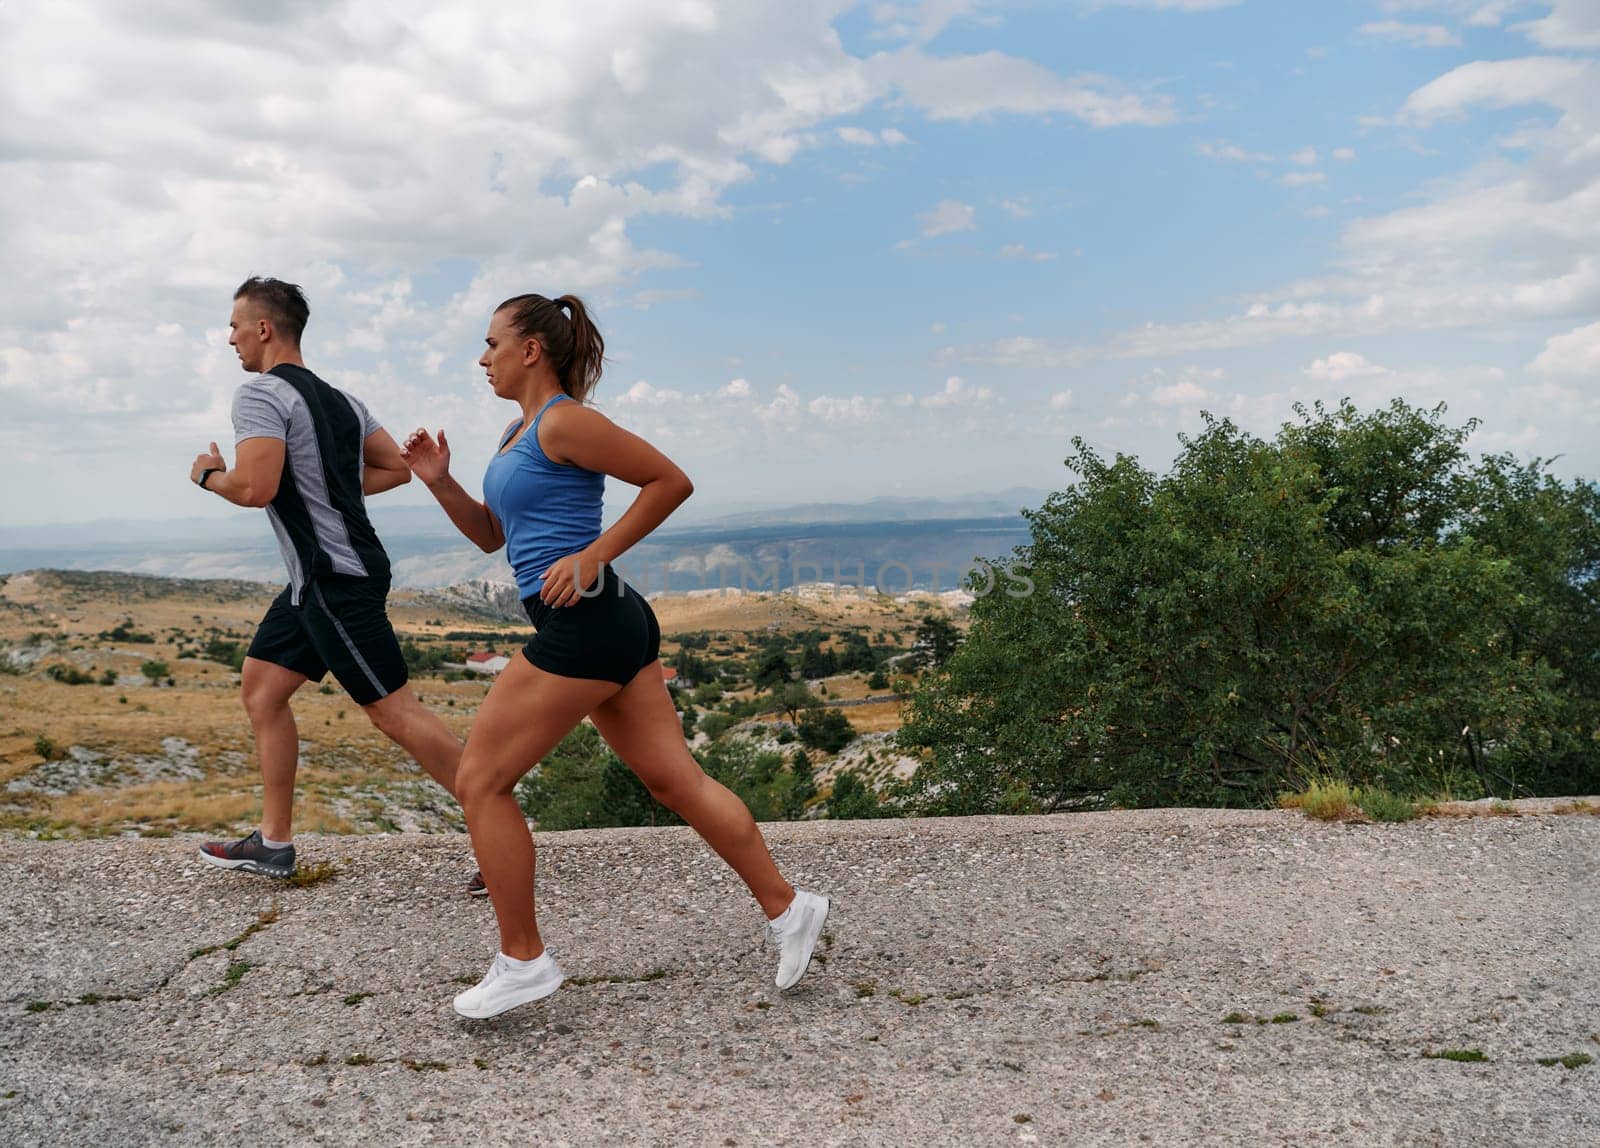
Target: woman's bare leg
[[525, 716], [642, 726]]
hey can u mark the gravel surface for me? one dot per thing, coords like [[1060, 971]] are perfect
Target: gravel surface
[[1049, 980]]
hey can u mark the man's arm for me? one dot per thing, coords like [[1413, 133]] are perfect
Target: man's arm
[[385, 468], [254, 479]]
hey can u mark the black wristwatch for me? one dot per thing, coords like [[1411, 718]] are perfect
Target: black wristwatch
[[205, 474]]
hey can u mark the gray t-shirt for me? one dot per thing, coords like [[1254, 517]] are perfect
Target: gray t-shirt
[[319, 513]]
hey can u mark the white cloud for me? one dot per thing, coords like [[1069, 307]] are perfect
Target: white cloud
[[975, 86], [157, 154], [644, 300], [1416, 35], [1475, 13], [957, 392], [1305, 157], [1573, 355], [947, 216], [1301, 178], [861, 137], [1508, 241], [1231, 153], [1168, 5], [1569, 24], [1550, 80], [1024, 351], [1344, 154], [1018, 208], [1343, 365], [921, 21], [1018, 251], [853, 410], [1060, 401], [1184, 393]]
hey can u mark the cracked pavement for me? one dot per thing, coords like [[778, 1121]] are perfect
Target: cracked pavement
[[1052, 980]]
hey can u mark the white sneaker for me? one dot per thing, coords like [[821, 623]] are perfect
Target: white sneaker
[[504, 987], [797, 935]]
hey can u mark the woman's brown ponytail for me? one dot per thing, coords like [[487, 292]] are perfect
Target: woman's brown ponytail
[[568, 336]]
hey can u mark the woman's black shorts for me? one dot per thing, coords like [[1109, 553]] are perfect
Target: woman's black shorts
[[611, 634]]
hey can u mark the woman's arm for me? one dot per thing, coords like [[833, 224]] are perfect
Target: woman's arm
[[585, 437], [430, 461]]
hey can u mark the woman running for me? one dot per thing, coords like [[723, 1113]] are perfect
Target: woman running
[[594, 653]]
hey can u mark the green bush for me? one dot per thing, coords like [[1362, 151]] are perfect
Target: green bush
[[581, 784], [1355, 599], [802, 787], [155, 671], [853, 799], [825, 729], [224, 652], [124, 632], [69, 675], [1381, 805]]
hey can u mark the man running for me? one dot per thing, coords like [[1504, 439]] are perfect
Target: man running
[[309, 453]]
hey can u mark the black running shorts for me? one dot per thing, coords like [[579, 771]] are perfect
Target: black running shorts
[[611, 634], [340, 625]]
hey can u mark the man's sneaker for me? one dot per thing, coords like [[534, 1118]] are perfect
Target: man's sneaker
[[505, 987], [475, 885], [796, 934], [249, 856]]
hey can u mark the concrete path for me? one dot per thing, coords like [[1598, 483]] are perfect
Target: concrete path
[[1031, 980]]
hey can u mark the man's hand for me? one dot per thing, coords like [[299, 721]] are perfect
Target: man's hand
[[205, 462], [428, 460], [570, 579]]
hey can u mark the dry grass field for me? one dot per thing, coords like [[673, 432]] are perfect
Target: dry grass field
[[130, 753]]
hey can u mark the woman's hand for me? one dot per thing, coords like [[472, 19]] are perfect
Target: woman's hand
[[566, 582], [428, 460]]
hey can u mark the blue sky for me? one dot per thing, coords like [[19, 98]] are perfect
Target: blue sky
[[838, 250]]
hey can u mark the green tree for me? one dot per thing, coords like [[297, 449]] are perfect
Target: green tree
[[756, 776], [691, 667], [852, 798], [825, 729], [771, 668], [1345, 599], [794, 697], [857, 654], [937, 638], [155, 671], [803, 788], [581, 784], [815, 662]]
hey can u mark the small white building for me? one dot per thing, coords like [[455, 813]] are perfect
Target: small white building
[[487, 663]]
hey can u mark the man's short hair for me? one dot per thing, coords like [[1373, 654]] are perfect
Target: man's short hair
[[284, 303]]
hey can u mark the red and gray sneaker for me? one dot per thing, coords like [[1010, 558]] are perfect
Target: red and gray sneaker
[[475, 885], [249, 856]]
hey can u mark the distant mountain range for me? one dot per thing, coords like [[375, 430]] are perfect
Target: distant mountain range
[[896, 543]]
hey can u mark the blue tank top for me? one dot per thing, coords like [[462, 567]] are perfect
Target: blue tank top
[[547, 509]]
